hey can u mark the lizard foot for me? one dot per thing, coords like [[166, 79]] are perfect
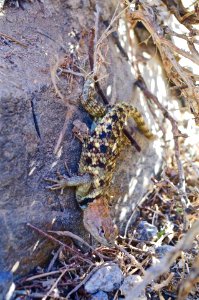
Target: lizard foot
[[64, 181], [58, 184]]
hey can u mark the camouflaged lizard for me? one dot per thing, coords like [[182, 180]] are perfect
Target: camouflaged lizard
[[100, 150]]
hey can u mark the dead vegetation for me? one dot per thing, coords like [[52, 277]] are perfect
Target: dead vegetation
[[172, 202]]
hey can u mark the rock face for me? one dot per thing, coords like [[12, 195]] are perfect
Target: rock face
[[32, 117]]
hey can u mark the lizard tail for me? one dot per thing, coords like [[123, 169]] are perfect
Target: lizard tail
[[142, 126], [124, 111]]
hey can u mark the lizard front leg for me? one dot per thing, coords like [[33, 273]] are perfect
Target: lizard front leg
[[66, 181], [81, 131]]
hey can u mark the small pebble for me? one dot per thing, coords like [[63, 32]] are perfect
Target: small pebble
[[128, 284], [146, 231], [107, 279]]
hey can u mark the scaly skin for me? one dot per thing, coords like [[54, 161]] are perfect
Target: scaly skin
[[100, 151], [102, 148]]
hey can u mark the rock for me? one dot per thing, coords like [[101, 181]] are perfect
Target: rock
[[129, 283], [29, 130], [146, 231], [100, 296], [7, 285], [107, 279], [162, 250]]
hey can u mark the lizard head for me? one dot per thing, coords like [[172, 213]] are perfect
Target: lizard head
[[98, 221]]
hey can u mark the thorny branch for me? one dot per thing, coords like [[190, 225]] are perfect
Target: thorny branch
[[162, 38]]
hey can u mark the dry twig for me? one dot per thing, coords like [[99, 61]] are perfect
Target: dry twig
[[85, 280], [54, 285], [132, 258], [76, 237], [50, 237], [159, 286], [12, 39]]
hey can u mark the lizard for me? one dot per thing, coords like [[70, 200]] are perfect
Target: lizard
[[100, 150]]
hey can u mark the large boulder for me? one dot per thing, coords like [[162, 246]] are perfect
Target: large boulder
[[33, 117]]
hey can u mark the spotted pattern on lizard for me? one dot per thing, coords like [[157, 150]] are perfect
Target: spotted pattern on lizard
[[100, 150]]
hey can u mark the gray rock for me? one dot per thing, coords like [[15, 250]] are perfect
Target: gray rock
[[107, 279], [146, 231], [100, 296], [128, 284], [162, 250]]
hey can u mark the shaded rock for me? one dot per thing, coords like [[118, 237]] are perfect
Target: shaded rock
[[7, 285], [107, 279], [128, 284], [146, 231], [100, 296]]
